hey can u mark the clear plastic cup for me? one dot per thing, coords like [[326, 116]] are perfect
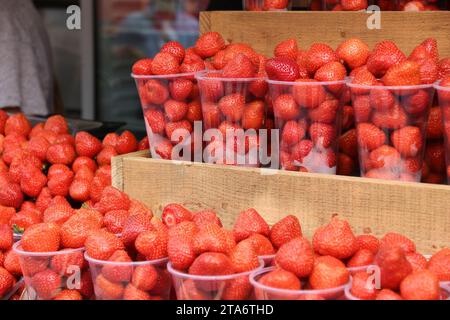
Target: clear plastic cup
[[307, 115], [171, 106], [267, 5], [47, 274], [444, 102], [229, 287], [391, 124], [336, 5], [142, 280], [263, 292], [234, 114]]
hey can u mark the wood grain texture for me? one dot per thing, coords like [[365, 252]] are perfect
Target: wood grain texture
[[420, 211], [263, 30]]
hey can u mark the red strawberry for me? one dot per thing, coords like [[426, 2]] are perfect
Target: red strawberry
[[287, 48], [417, 103], [68, 295], [152, 244], [406, 73], [346, 165], [105, 156], [261, 244], [387, 294], [57, 124], [335, 239], [180, 89], [328, 272], [101, 244], [194, 112], [42, 237], [58, 213], [435, 157], [408, 141], [243, 257], [114, 220], [211, 264], [38, 147], [211, 238], [393, 265], [384, 157], [3, 118], [174, 48], [232, 106], [61, 154], [385, 55], [239, 67], [292, 133], [348, 143], [308, 94], [362, 286], [75, 230], [285, 230], [10, 193], [362, 258], [17, 124], [275, 4], [112, 199], [435, 129], [235, 49], [249, 222], [418, 262], [281, 279], [87, 145], [181, 251], [126, 143], [47, 284], [395, 118], [165, 63], [369, 136], [440, 264], [155, 92], [421, 285], [6, 237], [326, 112], [395, 239], [175, 110], [118, 272], [282, 69], [144, 144], [137, 207], [32, 181], [426, 50], [6, 213], [144, 277], [68, 264], [12, 263], [84, 161], [322, 135], [367, 241], [444, 68], [381, 99], [192, 64], [296, 256], [354, 52], [204, 217], [155, 120], [318, 55], [209, 44], [174, 214], [107, 290], [285, 107], [143, 67], [135, 225], [332, 71], [60, 178], [354, 5], [24, 219]]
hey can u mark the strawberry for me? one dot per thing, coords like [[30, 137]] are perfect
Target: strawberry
[[308, 93], [68, 295], [6, 213], [42, 237], [394, 266], [87, 145], [144, 277], [418, 262], [179, 131], [232, 106], [65, 138], [134, 294], [439, 264], [292, 133], [211, 264], [192, 64], [237, 289], [395, 239], [47, 284], [57, 124], [328, 272], [194, 112], [335, 239], [367, 241], [101, 244], [175, 48], [348, 143], [110, 139], [60, 178], [353, 52], [296, 256], [285, 107], [155, 92], [121, 271], [38, 147], [84, 161], [68, 264], [10, 193], [107, 290], [326, 112], [165, 63], [369, 136], [381, 100], [322, 135], [155, 120], [175, 110], [318, 55], [209, 44], [61, 154], [32, 181], [112, 199], [235, 49], [144, 144], [275, 4], [387, 294], [285, 230], [249, 222], [444, 68], [143, 67], [243, 257], [406, 73], [58, 213], [17, 124], [3, 118], [435, 129], [362, 258], [187, 229], [239, 67], [211, 238], [33, 265], [426, 50], [346, 165], [385, 55], [332, 71], [395, 118], [126, 143], [287, 48], [282, 69], [137, 207], [362, 288], [204, 217], [152, 244], [435, 157], [408, 141], [114, 220], [12, 263], [75, 230], [181, 252], [429, 71], [6, 237], [281, 279], [174, 213], [421, 285], [105, 156], [180, 89], [384, 157], [417, 103], [24, 219], [261, 244]]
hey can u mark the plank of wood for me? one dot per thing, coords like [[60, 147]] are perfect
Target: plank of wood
[[263, 30], [420, 211]]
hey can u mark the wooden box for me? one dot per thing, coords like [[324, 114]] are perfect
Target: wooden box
[[420, 211]]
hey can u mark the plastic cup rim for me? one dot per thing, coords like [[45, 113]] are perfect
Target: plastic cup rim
[[183, 275], [348, 294], [256, 284], [124, 264], [306, 83], [438, 87], [22, 252], [201, 77], [164, 76], [393, 88]]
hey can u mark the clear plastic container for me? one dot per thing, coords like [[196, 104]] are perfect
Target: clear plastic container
[[229, 287], [307, 115], [171, 106], [143, 280], [336, 5], [47, 274], [263, 292], [391, 124], [267, 5], [234, 114], [444, 102]]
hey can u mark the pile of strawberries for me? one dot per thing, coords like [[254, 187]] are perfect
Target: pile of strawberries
[[385, 5], [421, 5], [265, 5], [345, 5]]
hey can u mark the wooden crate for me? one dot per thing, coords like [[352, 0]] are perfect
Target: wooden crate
[[263, 30], [420, 211]]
